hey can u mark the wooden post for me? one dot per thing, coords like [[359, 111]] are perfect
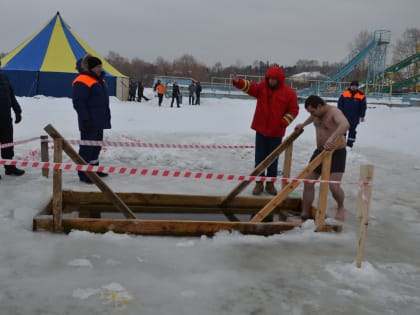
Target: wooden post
[[116, 201], [287, 163], [366, 177], [57, 186], [261, 167], [323, 189], [44, 154]]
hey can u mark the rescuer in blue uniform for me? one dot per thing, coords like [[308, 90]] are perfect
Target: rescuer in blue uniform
[[353, 105], [91, 102]]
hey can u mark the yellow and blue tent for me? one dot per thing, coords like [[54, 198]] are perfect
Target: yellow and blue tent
[[45, 64]]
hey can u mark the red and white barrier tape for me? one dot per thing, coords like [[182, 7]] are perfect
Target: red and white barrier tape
[[11, 144], [362, 194], [157, 145], [164, 173], [131, 138], [135, 143]]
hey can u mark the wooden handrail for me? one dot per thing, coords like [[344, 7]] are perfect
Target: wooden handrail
[[262, 166], [75, 157], [290, 187]]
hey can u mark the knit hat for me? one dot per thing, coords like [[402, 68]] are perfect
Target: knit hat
[[354, 83], [93, 62]]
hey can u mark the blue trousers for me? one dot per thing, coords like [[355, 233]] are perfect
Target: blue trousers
[[90, 153], [263, 147], [352, 134]]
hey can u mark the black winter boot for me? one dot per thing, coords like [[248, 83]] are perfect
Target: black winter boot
[[13, 170]]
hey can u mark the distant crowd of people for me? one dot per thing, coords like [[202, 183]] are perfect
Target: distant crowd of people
[[134, 87], [194, 92]]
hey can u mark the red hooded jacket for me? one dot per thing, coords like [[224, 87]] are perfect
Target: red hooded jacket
[[276, 108]]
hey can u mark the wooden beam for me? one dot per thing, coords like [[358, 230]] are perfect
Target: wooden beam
[[323, 189], [57, 185], [261, 167], [170, 228], [44, 154], [366, 176], [119, 204], [108, 208], [176, 200], [287, 163], [176, 228]]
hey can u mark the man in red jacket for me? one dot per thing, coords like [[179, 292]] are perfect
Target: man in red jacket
[[276, 108]]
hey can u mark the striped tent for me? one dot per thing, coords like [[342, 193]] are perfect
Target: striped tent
[[45, 63]]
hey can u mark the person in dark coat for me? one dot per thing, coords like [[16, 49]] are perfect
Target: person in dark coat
[[191, 90], [176, 94], [91, 102], [140, 91], [197, 93], [7, 103], [132, 87], [353, 105]]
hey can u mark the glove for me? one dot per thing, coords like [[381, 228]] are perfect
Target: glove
[[18, 118], [86, 124]]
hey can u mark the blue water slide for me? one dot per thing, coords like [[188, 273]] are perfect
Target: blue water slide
[[344, 71]]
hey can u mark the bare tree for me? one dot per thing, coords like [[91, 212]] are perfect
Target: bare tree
[[406, 46], [359, 43]]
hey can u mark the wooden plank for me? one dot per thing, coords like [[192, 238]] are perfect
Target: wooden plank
[[261, 167], [44, 154], [42, 223], [287, 163], [119, 204], [290, 187], [365, 196], [107, 208], [57, 185], [175, 200], [167, 228], [323, 189], [175, 228], [330, 228]]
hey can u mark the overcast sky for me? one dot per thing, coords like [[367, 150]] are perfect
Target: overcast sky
[[226, 31]]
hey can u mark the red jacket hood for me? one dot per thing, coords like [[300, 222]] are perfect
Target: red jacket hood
[[275, 72]]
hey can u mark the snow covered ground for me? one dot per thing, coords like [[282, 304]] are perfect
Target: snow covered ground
[[299, 272]]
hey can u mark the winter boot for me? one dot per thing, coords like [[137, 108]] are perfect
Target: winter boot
[[13, 170], [258, 189], [269, 188]]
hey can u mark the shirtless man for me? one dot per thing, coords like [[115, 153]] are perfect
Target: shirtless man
[[329, 123]]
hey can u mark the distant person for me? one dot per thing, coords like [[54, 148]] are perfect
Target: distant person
[[140, 91], [161, 90], [155, 86], [176, 94], [329, 123], [91, 102], [353, 105], [197, 93], [191, 91], [132, 87], [277, 107], [7, 103]]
